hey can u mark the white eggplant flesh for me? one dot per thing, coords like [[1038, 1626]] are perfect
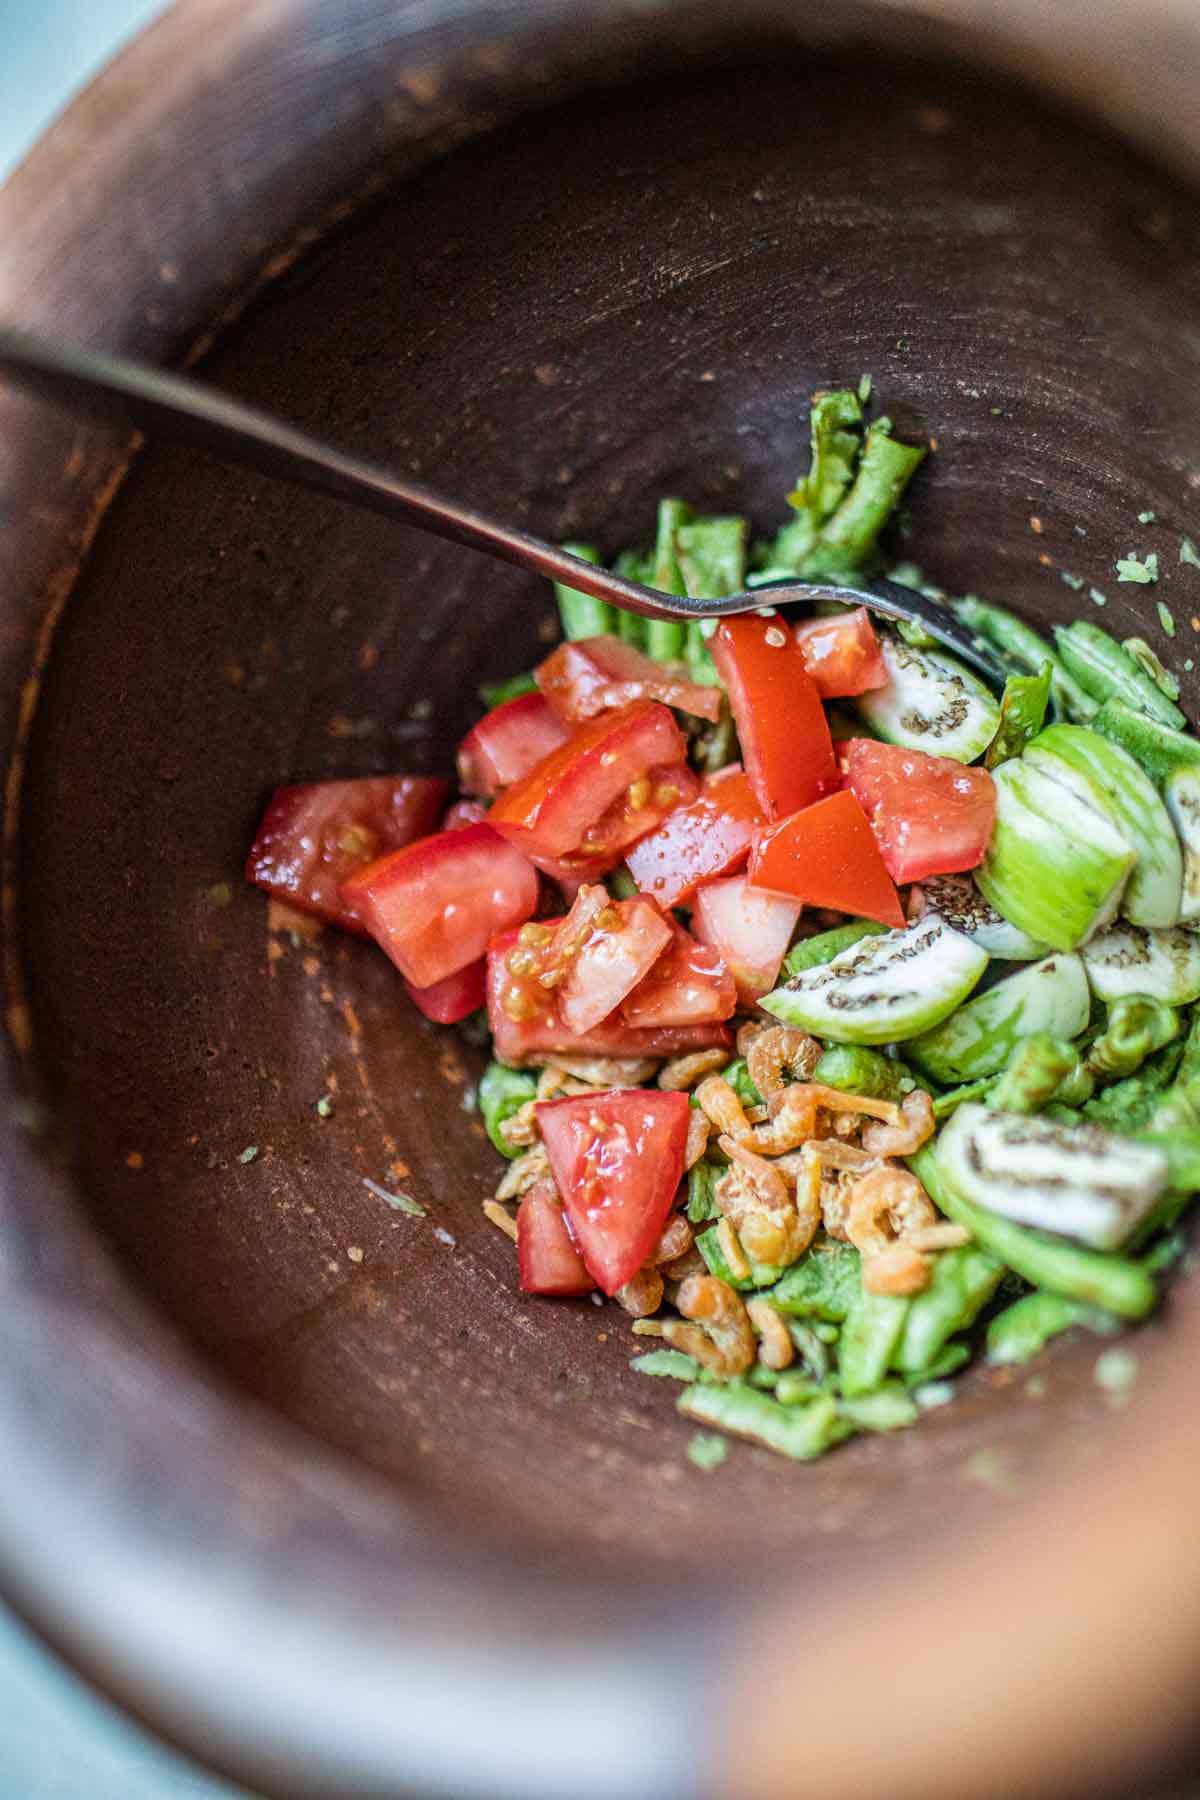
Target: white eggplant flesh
[[1076, 1180], [1158, 965], [883, 989]]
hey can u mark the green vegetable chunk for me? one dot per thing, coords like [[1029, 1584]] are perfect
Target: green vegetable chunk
[[1019, 644], [672, 1364], [884, 989], [822, 1285], [853, 1069], [1158, 749], [962, 1282], [1023, 1329], [761, 1275], [1022, 714], [890, 1408], [1077, 1180], [581, 615], [811, 952], [1092, 767], [1055, 865], [503, 1092], [953, 1098], [1109, 672], [847, 540], [1112, 1283], [801, 1432], [1136, 1028], [495, 693], [869, 1338], [702, 1178], [932, 702], [1042, 1068], [1049, 996]]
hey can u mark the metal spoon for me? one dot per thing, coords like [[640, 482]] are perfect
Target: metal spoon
[[151, 399]]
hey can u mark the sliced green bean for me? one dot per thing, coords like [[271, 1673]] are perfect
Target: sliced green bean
[[1160, 750], [1039, 1070], [762, 1275], [581, 615], [847, 539], [503, 1092], [666, 639], [1020, 644], [888, 1408], [854, 1069], [962, 1281], [801, 1432], [1027, 1326], [702, 1178], [872, 1331], [953, 1098], [1108, 672], [495, 693], [1108, 1281], [1136, 1027]]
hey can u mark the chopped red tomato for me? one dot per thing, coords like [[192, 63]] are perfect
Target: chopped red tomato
[[711, 836], [842, 653], [451, 999], [617, 1161], [616, 778], [688, 985], [463, 812], [591, 675], [587, 962], [930, 814], [434, 905], [750, 931], [315, 837], [506, 744], [827, 856], [547, 1258], [523, 1036], [778, 713]]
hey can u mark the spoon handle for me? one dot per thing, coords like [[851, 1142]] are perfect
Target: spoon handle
[[150, 398]]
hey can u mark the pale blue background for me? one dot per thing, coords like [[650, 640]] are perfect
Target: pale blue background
[[57, 1740]]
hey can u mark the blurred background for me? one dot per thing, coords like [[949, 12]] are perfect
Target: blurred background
[[58, 1741]]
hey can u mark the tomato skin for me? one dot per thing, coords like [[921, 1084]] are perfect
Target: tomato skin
[[930, 814], [710, 836], [454, 997], [749, 930], [506, 743], [587, 676], [780, 721], [688, 985], [434, 905], [521, 1041], [842, 653], [617, 1160], [547, 1260], [827, 856], [298, 854], [583, 787]]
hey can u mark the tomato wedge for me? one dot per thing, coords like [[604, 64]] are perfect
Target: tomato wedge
[[827, 856], [588, 676], [315, 837], [520, 1037], [547, 1258], [778, 713], [688, 985], [710, 836], [588, 962], [617, 1161], [507, 743], [842, 653], [434, 905], [930, 814], [451, 999], [750, 931], [616, 778]]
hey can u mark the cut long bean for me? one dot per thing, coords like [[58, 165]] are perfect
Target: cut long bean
[[581, 615]]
